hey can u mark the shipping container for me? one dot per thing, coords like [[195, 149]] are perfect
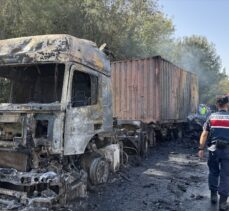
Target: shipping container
[[153, 90]]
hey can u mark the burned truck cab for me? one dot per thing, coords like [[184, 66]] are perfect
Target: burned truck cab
[[55, 118]]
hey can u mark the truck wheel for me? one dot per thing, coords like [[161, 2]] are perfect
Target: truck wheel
[[152, 138], [99, 171], [144, 147], [180, 134]]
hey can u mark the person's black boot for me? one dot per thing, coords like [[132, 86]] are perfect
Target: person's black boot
[[223, 203], [214, 197]]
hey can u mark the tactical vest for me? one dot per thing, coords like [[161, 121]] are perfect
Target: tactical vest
[[219, 126]]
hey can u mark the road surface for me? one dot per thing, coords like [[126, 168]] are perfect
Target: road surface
[[171, 178]]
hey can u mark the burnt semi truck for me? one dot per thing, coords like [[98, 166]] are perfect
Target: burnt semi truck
[[56, 125], [57, 131]]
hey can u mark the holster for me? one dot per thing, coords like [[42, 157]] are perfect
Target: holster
[[222, 144]]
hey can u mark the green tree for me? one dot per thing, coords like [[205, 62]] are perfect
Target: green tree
[[131, 28], [197, 55], [220, 88]]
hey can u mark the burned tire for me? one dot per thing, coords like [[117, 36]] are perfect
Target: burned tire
[[99, 171], [180, 134], [144, 147], [152, 139]]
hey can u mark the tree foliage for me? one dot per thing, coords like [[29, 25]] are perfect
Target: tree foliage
[[131, 28], [197, 55]]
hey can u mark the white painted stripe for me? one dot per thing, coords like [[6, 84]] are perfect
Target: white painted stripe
[[219, 127], [219, 117]]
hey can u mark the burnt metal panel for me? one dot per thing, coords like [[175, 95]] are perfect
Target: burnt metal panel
[[153, 90], [14, 159], [53, 48]]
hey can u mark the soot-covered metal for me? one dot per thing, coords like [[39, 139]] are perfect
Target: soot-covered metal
[[55, 118]]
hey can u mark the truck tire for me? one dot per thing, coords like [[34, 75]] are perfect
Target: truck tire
[[152, 138], [180, 134], [99, 171], [144, 149]]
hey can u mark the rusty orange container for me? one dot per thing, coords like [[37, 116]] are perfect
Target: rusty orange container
[[153, 90]]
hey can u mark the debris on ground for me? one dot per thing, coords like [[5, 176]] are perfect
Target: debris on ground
[[172, 178]]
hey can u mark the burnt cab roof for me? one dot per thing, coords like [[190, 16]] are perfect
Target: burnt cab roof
[[53, 48]]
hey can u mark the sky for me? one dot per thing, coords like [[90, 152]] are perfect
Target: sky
[[209, 18]]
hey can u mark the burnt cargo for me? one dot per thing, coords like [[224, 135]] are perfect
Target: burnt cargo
[[153, 90]]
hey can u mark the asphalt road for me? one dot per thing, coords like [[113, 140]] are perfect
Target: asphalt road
[[171, 178]]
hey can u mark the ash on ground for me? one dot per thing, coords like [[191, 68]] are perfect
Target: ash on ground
[[171, 178]]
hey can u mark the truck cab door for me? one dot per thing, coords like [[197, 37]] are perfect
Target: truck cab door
[[84, 110]]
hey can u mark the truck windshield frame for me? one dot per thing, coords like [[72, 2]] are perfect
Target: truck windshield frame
[[35, 83]]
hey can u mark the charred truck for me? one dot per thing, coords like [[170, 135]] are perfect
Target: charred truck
[[57, 132], [56, 125]]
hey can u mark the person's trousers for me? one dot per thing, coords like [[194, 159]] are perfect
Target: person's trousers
[[218, 163]]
